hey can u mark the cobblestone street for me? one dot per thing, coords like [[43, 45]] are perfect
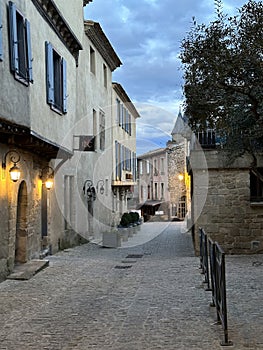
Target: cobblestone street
[[147, 296]]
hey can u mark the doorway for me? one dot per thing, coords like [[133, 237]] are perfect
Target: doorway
[[21, 225]]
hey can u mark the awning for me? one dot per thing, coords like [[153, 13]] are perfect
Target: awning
[[150, 203]]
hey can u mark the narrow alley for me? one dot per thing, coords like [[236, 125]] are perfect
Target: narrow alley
[[138, 297]]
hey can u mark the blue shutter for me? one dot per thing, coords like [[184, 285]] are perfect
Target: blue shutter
[[1, 41], [29, 51], [116, 160], [13, 37], [64, 87], [49, 73]]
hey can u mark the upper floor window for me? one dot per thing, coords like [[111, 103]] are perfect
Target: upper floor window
[[155, 167], [94, 115], [147, 167], [256, 185], [1, 40], [102, 131], [105, 78], [56, 80], [92, 60], [20, 45], [162, 166], [141, 167], [118, 111]]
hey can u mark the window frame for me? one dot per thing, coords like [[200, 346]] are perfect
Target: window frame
[[20, 45], [1, 38], [56, 79], [256, 185], [102, 136], [92, 60]]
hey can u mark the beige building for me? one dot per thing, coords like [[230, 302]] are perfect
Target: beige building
[[124, 175], [56, 118], [154, 195]]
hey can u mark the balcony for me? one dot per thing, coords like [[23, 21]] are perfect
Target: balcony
[[207, 139]]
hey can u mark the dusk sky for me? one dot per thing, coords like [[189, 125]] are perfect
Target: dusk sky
[[146, 35]]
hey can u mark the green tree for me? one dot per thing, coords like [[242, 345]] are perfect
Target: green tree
[[223, 75]]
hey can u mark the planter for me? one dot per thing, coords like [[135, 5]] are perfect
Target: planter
[[111, 239], [124, 234]]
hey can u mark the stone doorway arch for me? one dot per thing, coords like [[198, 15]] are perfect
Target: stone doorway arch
[[21, 225]]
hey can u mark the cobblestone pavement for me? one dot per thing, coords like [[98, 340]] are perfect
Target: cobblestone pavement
[[142, 297]]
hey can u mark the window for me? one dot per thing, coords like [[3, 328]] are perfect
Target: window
[[156, 190], [20, 45], [141, 167], [1, 40], [162, 166], [102, 131], [105, 75], [155, 167], [256, 185], [95, 129], [149, 192], [147, 167], [118, 112], [162, 190], [56, 80], [129, 125], [92, 60]]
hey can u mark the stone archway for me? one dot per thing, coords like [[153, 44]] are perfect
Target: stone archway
[[21, 225]]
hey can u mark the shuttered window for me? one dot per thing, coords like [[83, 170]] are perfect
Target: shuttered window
[[20, 45], [1, 37], [56, 80]]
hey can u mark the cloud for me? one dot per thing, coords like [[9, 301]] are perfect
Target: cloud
[[146, 35]]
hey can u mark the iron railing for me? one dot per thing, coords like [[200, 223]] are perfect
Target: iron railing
[[204, 265], [212, 265]]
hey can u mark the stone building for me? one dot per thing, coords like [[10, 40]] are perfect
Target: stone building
[[56, 120], [179, 181], [226, 198], [164, 184]]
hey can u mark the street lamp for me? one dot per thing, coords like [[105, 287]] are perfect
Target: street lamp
[[47, 176], [89, 190], [101, 187], [14, 172]]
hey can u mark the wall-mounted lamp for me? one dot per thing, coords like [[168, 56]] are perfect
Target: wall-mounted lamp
[[89, 190], [47, 176], [14, 158], [180, 177], [100, 186]]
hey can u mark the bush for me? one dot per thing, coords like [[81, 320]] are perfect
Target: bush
[[135, 216], [126, 219]]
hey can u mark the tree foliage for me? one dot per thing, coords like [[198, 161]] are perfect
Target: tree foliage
[[223, 73]]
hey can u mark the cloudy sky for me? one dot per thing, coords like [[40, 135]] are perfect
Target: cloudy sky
[[146, 35]]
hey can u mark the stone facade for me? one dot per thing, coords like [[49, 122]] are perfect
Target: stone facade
[[221, 203]]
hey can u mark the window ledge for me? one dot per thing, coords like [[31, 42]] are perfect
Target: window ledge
[[256, 204]]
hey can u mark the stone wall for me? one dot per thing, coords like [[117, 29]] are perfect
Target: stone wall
[[225, 212]]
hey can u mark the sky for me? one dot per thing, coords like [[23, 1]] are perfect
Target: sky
[[146, 35]]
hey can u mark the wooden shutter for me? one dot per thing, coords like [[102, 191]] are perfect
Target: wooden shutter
[[13, 37], [49, 74], [29, 51], [1, 39], [64, 85]]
